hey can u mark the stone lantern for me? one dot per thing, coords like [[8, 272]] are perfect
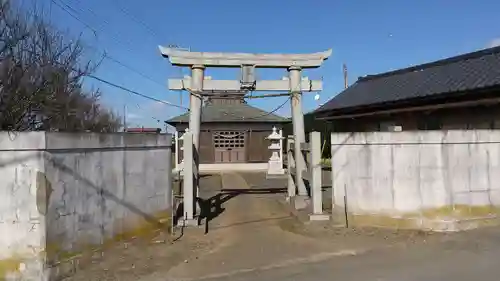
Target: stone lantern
[[275, 163]]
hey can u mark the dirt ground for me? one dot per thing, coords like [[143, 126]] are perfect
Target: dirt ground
[[250, 227], [466, 256], [335, 234], [136, 258]]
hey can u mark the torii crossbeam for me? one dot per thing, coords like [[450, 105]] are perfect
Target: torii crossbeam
[[197, 84], [245, 61], [235, 60]]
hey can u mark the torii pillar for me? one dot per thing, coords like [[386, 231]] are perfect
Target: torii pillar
[[195, 102], [295, 84], [298, 125]]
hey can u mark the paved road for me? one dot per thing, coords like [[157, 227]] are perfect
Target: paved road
[[454, 260]]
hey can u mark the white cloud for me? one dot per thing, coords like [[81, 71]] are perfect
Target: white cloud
[[133, 116], [494, 43], [161, 103], [157, 106]]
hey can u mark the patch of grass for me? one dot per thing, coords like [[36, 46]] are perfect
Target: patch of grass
[[326, 162]]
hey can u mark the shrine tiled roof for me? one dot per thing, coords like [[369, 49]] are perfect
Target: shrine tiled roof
[[240, 112]]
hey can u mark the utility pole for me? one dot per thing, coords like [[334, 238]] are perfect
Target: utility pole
[[124, 118], [346, 82]]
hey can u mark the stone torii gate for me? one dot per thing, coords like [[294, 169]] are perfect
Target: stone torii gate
[[197, 84]]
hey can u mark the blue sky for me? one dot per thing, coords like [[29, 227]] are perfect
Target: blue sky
[[369, 36]]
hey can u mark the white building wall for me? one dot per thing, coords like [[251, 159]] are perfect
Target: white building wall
[[412, 174]]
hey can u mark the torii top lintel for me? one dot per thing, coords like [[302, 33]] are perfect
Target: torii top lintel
[[187, 58]]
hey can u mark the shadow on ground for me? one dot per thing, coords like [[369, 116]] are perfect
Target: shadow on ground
[[213, 207]]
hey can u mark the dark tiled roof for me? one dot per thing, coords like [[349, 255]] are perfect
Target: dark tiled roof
[[231, 113], [470, 71]]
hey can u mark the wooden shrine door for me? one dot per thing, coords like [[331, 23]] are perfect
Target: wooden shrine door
[[229, 146]]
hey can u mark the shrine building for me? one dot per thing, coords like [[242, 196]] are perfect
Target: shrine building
[[232, 134]]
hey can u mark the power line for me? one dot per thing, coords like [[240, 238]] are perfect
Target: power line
[[136, 19], [270, 112], [73, 12], [119, 86], [91, 11], [109, 57], [68, 10], [116, 38], [134, 92], [265, 114], [251, 96], [127, 13], [115, 60]]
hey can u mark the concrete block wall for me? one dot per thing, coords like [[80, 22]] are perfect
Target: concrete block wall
[[434, 180], [22, 227], [85, 191]]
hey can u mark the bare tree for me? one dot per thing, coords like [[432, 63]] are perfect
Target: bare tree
[[41, 76]]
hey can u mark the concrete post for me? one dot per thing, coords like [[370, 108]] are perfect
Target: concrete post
[[181, 149], [290, 167], [298, 127], [316, 180], [169, 176], [176, 136], [281, 150], [188, 191]]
